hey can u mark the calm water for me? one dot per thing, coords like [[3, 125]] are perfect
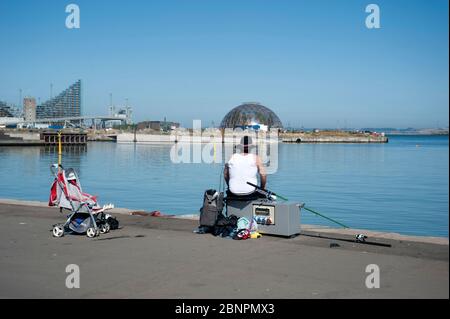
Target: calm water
[[401, 186]]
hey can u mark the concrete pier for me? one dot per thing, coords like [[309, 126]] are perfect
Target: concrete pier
[[332, 137], [288, 137], [160, 257], [13, 138]]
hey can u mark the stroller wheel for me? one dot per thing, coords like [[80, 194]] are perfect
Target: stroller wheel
[[58, 231], [103, 229], [108, 227], [91, 232]]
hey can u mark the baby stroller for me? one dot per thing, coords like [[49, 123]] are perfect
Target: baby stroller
[[86, 215]]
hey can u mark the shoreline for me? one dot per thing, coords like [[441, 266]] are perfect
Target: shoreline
[[304, 227], [31, 139]]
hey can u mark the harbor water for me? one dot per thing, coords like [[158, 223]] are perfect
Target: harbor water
[[401, 186]]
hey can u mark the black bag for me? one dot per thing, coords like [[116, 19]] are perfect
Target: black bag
[[225, 226], [113, 222], [212, 207]]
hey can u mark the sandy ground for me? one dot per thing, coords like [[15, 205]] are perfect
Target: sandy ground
[[155, 257]]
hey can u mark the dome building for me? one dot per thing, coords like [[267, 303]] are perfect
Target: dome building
[[253, 115]]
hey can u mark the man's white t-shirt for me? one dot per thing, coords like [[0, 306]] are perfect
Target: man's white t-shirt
[[242, 168]]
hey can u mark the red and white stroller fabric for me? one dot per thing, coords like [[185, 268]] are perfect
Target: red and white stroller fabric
[[86, 215], [68, 194]]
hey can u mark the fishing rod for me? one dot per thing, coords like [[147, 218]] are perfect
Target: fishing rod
[[360, 239], [267, 193], [321, 215]]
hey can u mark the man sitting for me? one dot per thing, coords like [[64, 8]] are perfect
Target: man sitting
[[242, 168]]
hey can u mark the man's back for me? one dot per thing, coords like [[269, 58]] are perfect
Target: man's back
[[242, 169]]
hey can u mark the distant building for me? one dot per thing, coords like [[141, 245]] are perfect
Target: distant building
[[153, 125], [251, 115], [5, 110], [123, 114], [9, 110], [158, 125], [29, 109], [66, 104], [9, 114]]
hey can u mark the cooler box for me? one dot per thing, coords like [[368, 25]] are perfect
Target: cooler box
[[274, 218]]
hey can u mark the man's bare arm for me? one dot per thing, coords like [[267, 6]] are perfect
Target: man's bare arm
[[226, 174], [262, 172]]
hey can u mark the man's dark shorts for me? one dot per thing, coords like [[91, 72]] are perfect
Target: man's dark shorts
[[247, 197]]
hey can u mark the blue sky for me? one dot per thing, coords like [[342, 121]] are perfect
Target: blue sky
[[313, 62]]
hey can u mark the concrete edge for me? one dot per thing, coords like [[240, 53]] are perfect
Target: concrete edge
[[309, 228]]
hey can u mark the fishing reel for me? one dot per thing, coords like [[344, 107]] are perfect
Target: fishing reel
[[361, 238], [271, 196]]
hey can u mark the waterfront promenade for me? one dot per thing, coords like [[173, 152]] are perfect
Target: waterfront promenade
[[157, 257]]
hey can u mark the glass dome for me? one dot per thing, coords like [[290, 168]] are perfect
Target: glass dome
[[251, 113]]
